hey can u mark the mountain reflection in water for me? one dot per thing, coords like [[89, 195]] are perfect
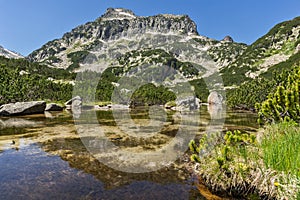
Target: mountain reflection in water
[[49, 161]]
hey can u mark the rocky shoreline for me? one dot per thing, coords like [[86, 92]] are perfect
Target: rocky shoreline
[[256, 181], [28, 108]]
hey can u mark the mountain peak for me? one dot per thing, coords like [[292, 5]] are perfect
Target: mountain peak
[[228, 38], [118, 13]]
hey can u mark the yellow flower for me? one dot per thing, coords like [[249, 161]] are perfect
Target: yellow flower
[[276, 184]]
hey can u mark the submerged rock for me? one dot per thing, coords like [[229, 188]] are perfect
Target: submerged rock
[[23, 108]]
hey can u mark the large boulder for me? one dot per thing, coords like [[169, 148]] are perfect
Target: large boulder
[[23, 108], [188, 103], [53, 107], [74, 103], [215, 98]]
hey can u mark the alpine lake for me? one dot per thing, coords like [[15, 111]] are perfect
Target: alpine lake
[[45, 156]]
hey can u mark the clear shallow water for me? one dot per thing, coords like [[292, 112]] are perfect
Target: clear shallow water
[[30, 173], [49, 161]]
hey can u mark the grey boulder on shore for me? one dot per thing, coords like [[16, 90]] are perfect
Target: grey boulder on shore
[[75, 102], [215, 98], [23, 108]]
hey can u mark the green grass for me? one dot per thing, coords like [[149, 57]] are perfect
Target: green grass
[[281, 148], [266, 167]]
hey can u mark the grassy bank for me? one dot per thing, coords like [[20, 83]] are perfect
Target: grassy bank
[[281, 147], [243, 165]]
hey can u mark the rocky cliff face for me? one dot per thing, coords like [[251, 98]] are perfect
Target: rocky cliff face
[[120, 31], [119, 38], [113, 25], [9, 54]]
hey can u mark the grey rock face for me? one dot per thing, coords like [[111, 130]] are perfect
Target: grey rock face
[[118, 13], [9, 54], [113, 25], [189, 103], [23, 108], [74, 99], [53, 107], [228, 39], [75, 102], [74, 105]]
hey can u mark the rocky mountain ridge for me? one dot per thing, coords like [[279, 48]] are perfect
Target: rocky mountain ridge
[[278, 45], [9, 54], [119, 32]]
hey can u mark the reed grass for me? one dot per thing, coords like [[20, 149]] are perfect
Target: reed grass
[[267, 167], [281, 147]]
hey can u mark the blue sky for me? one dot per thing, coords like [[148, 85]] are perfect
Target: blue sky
[[26, 25]]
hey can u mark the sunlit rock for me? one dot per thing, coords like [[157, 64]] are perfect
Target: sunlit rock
[[215, 98], [23, 108], [53, 107]]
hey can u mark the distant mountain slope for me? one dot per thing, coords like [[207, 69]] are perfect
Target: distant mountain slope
[[278, 45], [120, 31], [119, 38], [9, 54]]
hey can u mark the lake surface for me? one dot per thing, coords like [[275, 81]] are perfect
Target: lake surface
[[46, 157]]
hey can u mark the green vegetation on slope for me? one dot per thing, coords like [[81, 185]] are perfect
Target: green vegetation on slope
[[284, 102], [257, 90], [278, 33], [149, 94], [248, 94], [280, 39], [201, 90], [80, 57], [16, 87], [282, 66], [158, 57], [36, 68]]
